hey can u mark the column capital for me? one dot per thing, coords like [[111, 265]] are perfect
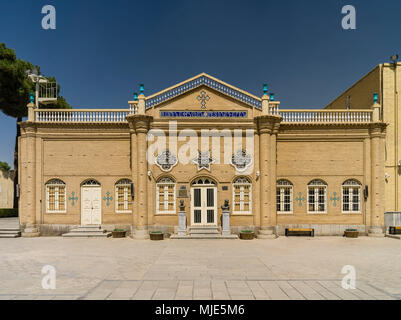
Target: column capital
[[377, 129], [28, 128], [268, 123], [139, 122]]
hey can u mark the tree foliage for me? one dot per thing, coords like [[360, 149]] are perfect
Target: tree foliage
[[15, 85], [4, 166]]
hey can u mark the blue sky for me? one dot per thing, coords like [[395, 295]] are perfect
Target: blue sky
[[102, 50]]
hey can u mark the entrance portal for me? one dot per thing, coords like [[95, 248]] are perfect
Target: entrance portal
[[203, 202], [91, 210]]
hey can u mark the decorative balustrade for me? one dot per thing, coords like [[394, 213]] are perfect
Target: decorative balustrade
[[81, 115], [274, 108], [326, 116], [119, 115]]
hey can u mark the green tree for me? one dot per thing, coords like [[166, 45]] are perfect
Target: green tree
[[4, 166], [15, 88]]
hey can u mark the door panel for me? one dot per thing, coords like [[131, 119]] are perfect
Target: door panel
[[91, 206], [97, 209], [203, 206], [86, 206]]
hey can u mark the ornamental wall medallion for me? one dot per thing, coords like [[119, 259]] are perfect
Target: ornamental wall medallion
[[241, 160], [203, 160], [166, 160]]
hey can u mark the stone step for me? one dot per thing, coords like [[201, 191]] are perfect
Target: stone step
[[9, 231], [93, 227], [90, 231], [266, 232], [204, 236], [266, 236], [16, 229], [10, 235], [204, 230], [87, 235], [86, 230]]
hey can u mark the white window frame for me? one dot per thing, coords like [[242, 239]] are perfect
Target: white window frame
[[56, 183], [242, 182], [166, 182], [316, 184], [281, 185], [351, 183], [126, 183]]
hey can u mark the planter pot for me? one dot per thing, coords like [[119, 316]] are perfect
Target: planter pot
[[156, 236], [118, 234], [351, 234], [247, 235]]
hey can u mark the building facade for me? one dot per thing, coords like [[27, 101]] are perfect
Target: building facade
[[193, 146]]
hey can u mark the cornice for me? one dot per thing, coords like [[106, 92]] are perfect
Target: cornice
[[269, 124], [140, 123]]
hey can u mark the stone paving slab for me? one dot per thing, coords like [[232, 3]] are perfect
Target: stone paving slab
[[284, 268]]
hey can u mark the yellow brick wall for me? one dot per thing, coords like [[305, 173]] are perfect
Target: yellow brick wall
[[331, 161]]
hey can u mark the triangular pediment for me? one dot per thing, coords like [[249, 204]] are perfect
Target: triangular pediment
[[207, 81]]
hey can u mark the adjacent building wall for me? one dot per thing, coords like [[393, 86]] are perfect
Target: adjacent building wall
[[360, 94], [382, 80], [6, 189]]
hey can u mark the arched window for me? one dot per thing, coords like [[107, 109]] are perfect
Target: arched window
[[165, 196], [123, 196], [284, 196], [351, 191], [317, 196], [55, 196], [242, 196]]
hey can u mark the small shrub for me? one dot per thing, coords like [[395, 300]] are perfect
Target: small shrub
[[8, 213]]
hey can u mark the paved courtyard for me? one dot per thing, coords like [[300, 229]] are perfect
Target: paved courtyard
[[285, 268]]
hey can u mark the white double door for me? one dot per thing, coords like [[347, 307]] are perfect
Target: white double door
[[91, 212], [204, 206]]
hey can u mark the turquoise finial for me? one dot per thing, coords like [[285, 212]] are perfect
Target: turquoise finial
[[141, 88], [31, 98], [271, 96], [135, 96], [375, 97], [265, 88]]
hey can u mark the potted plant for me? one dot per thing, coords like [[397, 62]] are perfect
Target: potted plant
[[246, 235], [118, 233], [351, 233], [156, 235]]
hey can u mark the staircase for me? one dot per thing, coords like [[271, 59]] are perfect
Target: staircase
[[10, 232], [9, 228], [266, 233], [204, 233], [87, 232]]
